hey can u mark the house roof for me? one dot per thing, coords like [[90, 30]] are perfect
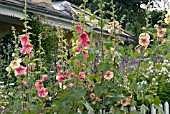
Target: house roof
[[57, 13]]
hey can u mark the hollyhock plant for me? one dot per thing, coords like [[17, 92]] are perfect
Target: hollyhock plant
[[144, 39], [38, 84], [84, 40], [43, 92], [108, 75], [161, 32], [27, 47], [20, 70], [79, 29], [24, 39]]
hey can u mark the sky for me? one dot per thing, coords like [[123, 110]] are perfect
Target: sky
[[159, 5]]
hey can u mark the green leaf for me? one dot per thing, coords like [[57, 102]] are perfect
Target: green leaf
[[131, 77], [157, 101]]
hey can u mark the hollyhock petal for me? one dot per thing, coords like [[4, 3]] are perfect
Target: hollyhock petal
[[71, 85], [43, 92], [61, 79], [90, 87], [58, 65], [31, 55], [79, 29], [27, 47]]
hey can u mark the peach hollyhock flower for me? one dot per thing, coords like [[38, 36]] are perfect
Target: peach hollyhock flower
[[44, 77], [92, 95], [85, 54], [15, 63], [97, 99], [79, 29], [138, 50], [94, 102], [82, 76], [25, 84], [43, 92], [32, 64], [58, 65], [20, 70], [163, 41], [144, 39], [90, 87], [108, 75], [161, 32], [38, 84], [27, 47], [24, 39], [78, 49], [145, 54], [84, 40]]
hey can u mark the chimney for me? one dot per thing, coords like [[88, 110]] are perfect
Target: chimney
[[47, 1]]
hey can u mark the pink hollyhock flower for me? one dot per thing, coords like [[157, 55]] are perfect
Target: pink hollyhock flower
[[144, 39], [108, 75], [138, 50], [44, 77], [58, 65], [145, 54], [20, 70], [31, 55], [92, 95], [83, 65], [27, 47], [25, 84], [43, 92], [161, 32], [39, 84], [69, 74], [71, 84], [24, 39], [84, 40], [78, 49], [82, 75], [79, 29], [85, 54], [61, 79], [32, 64]]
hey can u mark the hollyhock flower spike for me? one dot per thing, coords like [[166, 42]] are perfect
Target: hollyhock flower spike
[[84, 40], [144, 39], [24, 39], [161, 32], [20, 70], [79, 29], [43, 92], [108, 75]]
